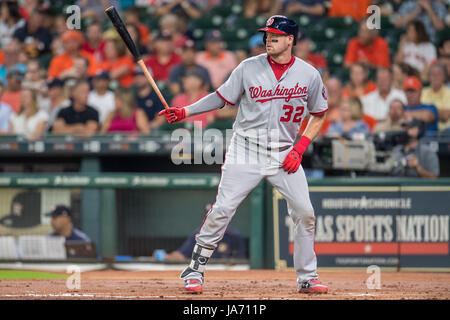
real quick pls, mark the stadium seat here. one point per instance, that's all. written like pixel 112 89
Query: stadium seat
pixel 238 45
pixel 223 10
pixel 339 22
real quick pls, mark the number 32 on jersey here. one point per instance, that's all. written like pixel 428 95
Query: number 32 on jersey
pixel 290 113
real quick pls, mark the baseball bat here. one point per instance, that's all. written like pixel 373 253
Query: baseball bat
pixel 118 24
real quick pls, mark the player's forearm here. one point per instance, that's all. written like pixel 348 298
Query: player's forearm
pixel 312 130
pixel 206 104
pixel 314 125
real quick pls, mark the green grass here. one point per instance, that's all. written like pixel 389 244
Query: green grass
pixel 19 275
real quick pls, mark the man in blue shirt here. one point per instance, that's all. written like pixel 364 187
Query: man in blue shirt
pixel 62 225
pixel 147 99
pixel 428 113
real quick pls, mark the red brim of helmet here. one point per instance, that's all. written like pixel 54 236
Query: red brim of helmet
pixel 272 30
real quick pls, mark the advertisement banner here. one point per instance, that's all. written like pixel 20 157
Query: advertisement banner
pixel 358 226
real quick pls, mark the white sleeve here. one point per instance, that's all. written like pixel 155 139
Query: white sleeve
pixel 317 96
pixel 232 89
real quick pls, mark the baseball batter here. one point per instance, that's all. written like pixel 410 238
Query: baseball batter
pixel 276 91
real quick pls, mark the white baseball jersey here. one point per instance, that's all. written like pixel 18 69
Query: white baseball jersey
pixel 269 104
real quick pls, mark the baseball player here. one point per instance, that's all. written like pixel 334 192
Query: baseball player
pixel 276 92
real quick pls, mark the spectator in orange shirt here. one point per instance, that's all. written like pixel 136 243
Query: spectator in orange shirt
pixel 135 35
pixel 367 47
pixel 131 16
pixel 164 58
pixel 218 61
pixel 118 63
pixel 11 95
pixel 355 9
pixel 359 84
pixel 95 44
pixel 72 42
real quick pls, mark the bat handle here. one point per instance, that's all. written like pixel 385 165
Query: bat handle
pixel 152 82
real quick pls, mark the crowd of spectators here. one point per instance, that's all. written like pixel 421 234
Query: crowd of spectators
pixel 55 80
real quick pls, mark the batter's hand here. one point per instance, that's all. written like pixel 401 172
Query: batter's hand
pixel 292 162
pixel 294 157
pixel 173 114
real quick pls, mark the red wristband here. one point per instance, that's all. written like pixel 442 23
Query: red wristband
pixel 302 145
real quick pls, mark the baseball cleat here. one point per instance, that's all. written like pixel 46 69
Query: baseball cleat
pixel 193 286
pixel 312 286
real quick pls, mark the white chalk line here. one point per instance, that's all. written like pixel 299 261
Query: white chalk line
pixel 182 296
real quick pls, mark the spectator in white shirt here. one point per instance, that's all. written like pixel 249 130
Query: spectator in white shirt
pixel 415 48
pixel 376 103
pixel 30 122
pixel 101 98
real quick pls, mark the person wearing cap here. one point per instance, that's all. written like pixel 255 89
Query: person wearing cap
pixel 64 63
pixel 193 86
pixel 188 63
pixel 119 63
pixel 100 97
pixel 11 95
pixel 36 39
pixel 218 61
pixel 58 100
pixel 303 50
pixel 256 45
pixel 414 158
pixel 164 57
pixel 147 99
pixel 62 224
pixel 5 113
pixel 428 113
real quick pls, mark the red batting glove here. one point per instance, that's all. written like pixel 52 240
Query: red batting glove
pixel 293 159
pixel 292 162
pixel 173 114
